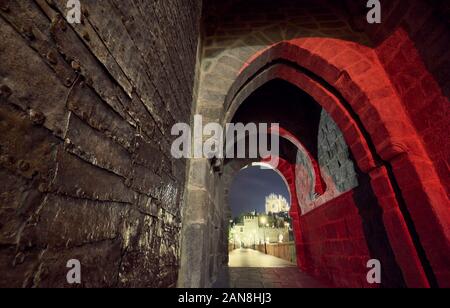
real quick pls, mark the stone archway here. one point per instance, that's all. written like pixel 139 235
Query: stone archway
pixel 350 73
pixel 382 148
pixel 286 171
pixel 331 197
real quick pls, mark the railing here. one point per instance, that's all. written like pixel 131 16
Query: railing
pixel 285 251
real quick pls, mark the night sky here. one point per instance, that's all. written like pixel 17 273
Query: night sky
pixel 251 187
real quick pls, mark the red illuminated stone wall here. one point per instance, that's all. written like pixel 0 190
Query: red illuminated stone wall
pixel 392 107
pixel 416 57
pixel 334 244
pixel 412 45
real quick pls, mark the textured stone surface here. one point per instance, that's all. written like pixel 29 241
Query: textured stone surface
pixel 86 112
pixel 272 278
pixel 334 155
pixel 388 95
pixel 85 116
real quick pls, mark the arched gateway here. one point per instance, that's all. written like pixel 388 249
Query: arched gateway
pixel 375 218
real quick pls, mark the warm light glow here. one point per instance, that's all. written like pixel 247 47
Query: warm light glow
pixel 263 220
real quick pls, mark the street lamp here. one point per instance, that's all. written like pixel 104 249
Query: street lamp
pixel 264 223
pixel 233 238
pixel 263 220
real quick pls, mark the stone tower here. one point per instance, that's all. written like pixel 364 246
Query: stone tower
pixel 276 204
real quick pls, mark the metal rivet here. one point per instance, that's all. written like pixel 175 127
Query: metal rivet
pixel 37 117
pixel 76 66
pixel 28 32
pixel 43 187
pixel 68 82
pixel 5 91
pixel 86 36
pixel 52 58
pixel 24 166
pixel 62 24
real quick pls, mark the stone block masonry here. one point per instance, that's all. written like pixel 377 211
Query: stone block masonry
pixel 334 155
pixel 86 111
pixel 385 86
pixel 85 117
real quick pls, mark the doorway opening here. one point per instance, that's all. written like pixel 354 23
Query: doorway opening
pixel 260 230
pixel 261 242
pixel 335 215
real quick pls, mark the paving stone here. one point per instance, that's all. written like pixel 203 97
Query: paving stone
pixel 272 277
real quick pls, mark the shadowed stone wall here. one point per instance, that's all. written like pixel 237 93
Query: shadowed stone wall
pixel 85 118
pixel 86 112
